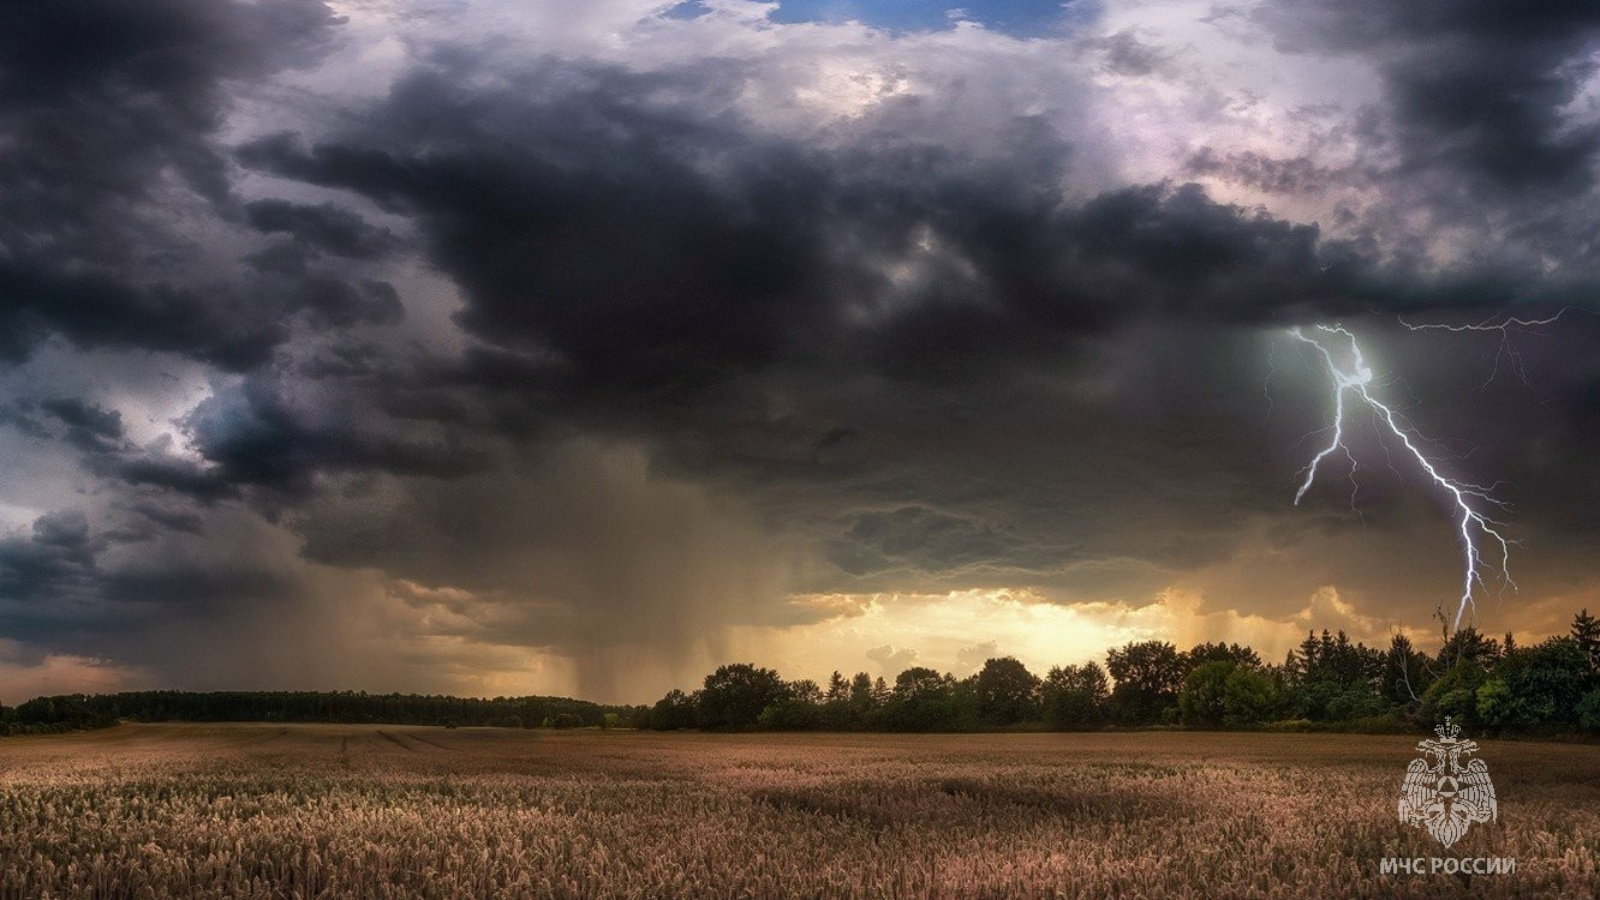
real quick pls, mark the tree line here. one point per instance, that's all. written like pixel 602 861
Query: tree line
pixel 72 712
pixel 1489 686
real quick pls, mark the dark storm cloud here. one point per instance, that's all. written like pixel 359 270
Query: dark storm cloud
pixel 704 274
pixel 100 309
pixel 918 538
pixel 657 251
pixel 643 269
pixel 172 473
pixel 324 227
pixel 110 110
pixel 56 561
pixel 690 344
pixel 89 427
pixel 102 95
pixel 1477 87
pixel 189 590
pixel 171 517
pixel 255 436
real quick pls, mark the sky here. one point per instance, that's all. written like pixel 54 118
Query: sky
pixel 539 347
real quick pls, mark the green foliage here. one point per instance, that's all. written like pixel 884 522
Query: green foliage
pixel 1455 694
pixel 1076 697
pixel 1249 697
pixel 862 698
pixel 806 690
pixel 1228 694
pixel 1328 683
pixel 791 714
pixel 1586 632
pixel 1007 692
pixel 838 688
pixel 1201 700
pixel 1537 689
pixel 1329 678
pixel 1497 707
pixel 1406 674
pixel 1201 654
pixel 923 699
pixel 735 695
pixel 1468 645
pixel 1148 677
pixel 1589 711
pixel 78 711
pixel 674 711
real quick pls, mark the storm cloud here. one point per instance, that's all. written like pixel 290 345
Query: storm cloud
pixel 511 357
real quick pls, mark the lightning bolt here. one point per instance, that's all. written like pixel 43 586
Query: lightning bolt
pixel 1506 327
pixel 1352 381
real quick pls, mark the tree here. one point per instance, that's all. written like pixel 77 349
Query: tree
pixel 853 707
pixel 792 714
pixel 806 691
pixel 838 687
pixel 1249 697
pixel 1007 692
pixel 1200 702
pixel 675 710
pixel 735 695
pixel 1589 711
pixel 1405 673
pixel 1586 631
pixel 922 700
pixel 1455 694
pixel 920 682
pixel 1219 652
pixel 1331 678
pixel 1537 689
pixel 861 698
pixel 1075 697
pixel 1467 644
pixel 1148 676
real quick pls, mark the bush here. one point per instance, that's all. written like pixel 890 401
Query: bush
pixel 790 715
pixel 1248 697
pixel 1074 710
pixel 1007 692
pixel 1201 700
pixel 735 695
pixel 674 711
pixel 1537 689
pixel 1589 710
pixel 1455 694
pixel 1226 694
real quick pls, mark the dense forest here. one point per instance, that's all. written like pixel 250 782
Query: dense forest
pixel 73 712
pixel 1489 686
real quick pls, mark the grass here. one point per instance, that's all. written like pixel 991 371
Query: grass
pixel 303 811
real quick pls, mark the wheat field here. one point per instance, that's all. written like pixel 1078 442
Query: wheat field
pixel 303 811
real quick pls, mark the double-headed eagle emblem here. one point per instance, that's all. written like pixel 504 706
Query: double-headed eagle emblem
pixel 1445 793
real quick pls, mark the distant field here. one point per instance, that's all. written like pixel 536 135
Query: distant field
pixel 266 811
